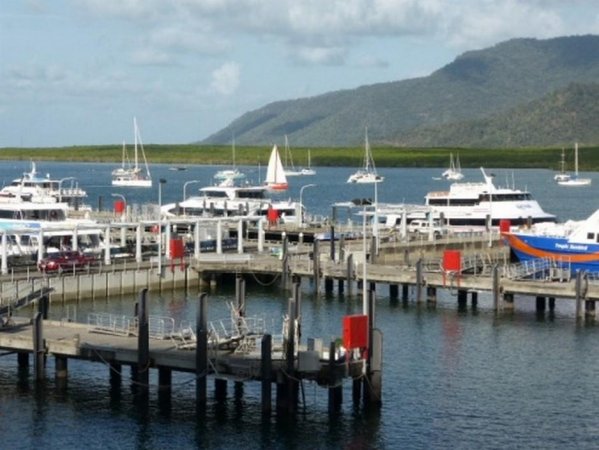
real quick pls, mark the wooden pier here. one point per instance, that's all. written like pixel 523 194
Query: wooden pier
pixel 245 354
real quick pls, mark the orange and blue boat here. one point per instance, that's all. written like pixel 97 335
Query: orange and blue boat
pixel 573 244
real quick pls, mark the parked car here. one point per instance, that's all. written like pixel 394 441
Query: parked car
pixel 61 261
pixel 424 226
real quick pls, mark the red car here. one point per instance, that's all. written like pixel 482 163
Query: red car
pixel 65 261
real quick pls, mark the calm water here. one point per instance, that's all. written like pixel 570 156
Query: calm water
pixel 452 379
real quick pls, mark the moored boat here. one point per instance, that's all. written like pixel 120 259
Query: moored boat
pixel 573 244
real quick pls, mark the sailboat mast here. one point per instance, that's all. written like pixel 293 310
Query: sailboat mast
pixel 135 140
pixel 576 158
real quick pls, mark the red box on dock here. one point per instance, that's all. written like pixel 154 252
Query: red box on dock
pixel 177 250
pixel 452 260
pixel 355 331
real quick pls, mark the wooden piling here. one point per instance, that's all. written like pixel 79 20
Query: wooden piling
pixel 393 292
pixel 349 272
pixel 419 280
pixel 316 263
pixel 540 304
pixel 143 343
pixel 474 299
pixel 495 286
pixel 220 389
pixel 39 351
pixel 23 359
pixel 332 254
pixel 266 373
pixel 201 352
pixel 335 391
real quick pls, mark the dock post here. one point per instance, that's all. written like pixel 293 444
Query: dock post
pixel 332 243
pixel 23 359
pixel 61 372
pixel 541 304
pixel 495 286
pixel 405 292
pixel 431 294
pixel 260 236
pixel 164 389
pixel 4 252
pixel 316 261
pixel 220 389
pixel 240 295
pixel 474 299
pixel 462 299
pixel 419 280
pixel 290 346
pixel 39 351
pixel 285 262
pixel 201 352
pixel 219 237
pixel 43 306
pixel 138 239
pixel 373 379
pixel 328 285
pixel 335 387
pixel 115 374
pixel 341 248
pixel 143 343
pixel 297 297
pixel 350 272
pixel 581 290
pixel 240 236
pixel 393 292
pixel 340 286
pixel 266 373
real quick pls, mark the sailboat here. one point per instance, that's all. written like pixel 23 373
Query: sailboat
pixel 133 175
pixel 562 175
pixel 308 170
pixel 575 180
pixel 368 173
pixel 275 174
pixel 289 168
pixel 454 172
pixel 230 174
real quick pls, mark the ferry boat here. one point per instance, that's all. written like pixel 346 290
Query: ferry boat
pixel 573 244
pixel 31 186
pixel 227 200
pixel 23 221
pixel 470 205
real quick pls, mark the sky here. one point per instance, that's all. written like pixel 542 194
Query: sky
pixel 76 72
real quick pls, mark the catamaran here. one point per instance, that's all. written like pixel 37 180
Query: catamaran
pixel 133 175
pixel 230 174
pixel 568 180
pixel 454 173
pixel 368 173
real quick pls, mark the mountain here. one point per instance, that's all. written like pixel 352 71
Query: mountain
pixel 557 119
pixel 476 85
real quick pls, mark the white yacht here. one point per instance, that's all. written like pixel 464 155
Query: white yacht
pixel 469 205
pixel 31 186
pixel 132 174
pixel 368 173
pixel 226 200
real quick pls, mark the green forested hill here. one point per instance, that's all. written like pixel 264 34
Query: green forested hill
pixel 558 119
pixel 476 85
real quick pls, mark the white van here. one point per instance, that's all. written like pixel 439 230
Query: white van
pixel 423 227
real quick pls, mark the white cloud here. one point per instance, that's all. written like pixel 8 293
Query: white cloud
pixel 225 79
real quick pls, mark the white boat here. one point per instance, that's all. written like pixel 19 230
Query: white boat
pixel 368 173
pixel 275 180
pixel 308 171
pixel 32 187
pixel 454 173
pixel 574 180
pixel 132 175
pixel 288 165
pixel 228 200
pixel 230 174
pixel 470 206
pixel 562 175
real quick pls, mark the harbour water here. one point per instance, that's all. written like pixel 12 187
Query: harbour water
pixel 452 378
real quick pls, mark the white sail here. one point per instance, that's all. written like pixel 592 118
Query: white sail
pixel 275 174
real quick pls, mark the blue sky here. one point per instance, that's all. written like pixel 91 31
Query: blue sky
pixel 76 71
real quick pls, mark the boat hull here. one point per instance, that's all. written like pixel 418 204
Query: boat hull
pixel 577 256
pixel 132 183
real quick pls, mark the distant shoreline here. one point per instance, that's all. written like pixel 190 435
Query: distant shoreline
pixel 541 158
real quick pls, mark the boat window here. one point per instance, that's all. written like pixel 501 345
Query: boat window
pixel 250 194
pixel 218 194
pixel 590 236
